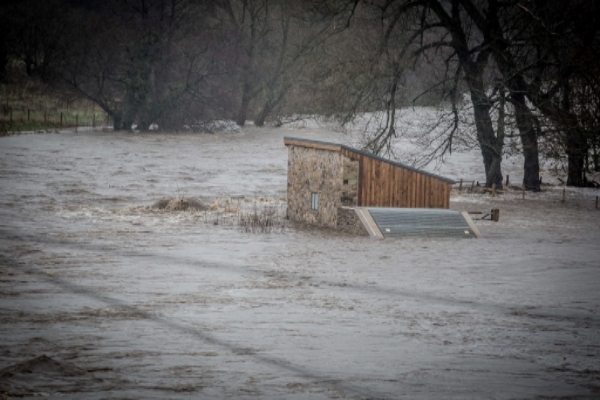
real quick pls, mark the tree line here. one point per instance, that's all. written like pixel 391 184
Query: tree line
pixel 527 68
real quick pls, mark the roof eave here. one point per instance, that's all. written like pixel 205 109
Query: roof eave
pixel 337 147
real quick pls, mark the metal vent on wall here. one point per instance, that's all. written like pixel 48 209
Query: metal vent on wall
pixel 422 222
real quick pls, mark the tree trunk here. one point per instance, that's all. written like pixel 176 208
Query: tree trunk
pixel 117 121
pixel 144 125
pixel 266 111
pixel 269 106
pixel 473 68
pixel 528 134
pixel 244 105
pixel 577 152
pixel 491 150
pixel 122 122
pixel 576 143
pixel 499 140
pixel 576 170
pixel 262 115
pixel 504 60
pixel 531 165
pixel 128 121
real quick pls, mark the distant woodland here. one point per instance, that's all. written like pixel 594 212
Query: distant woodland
pixel 520 68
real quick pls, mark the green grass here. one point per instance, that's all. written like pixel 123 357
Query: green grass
pixel 31 108
pixel 22 120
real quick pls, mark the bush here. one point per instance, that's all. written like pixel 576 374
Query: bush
pixel 265 221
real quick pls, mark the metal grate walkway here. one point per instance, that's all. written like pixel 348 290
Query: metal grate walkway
pixel 422 222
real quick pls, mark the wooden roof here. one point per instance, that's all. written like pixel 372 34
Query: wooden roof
pixel 338 147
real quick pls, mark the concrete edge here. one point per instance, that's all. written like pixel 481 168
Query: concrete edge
pixel 471 224
pixel 368 222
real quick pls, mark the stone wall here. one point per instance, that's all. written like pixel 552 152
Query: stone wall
pixel 319 171
pixel 348 221
pixel 334 177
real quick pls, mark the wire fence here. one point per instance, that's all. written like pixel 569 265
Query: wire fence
pixel 24 118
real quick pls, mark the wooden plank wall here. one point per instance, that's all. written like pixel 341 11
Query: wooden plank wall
pixel 382 184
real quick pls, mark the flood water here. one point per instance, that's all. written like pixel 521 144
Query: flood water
pixel 103 296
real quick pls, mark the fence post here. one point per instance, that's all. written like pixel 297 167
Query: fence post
pixel 493 190
pixel 460 185
pixel 472 186
pixel 495 214
pixel 507 180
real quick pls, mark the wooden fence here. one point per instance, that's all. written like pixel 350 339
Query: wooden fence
pixel 470 185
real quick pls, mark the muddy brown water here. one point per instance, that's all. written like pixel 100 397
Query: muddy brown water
pixel 102 296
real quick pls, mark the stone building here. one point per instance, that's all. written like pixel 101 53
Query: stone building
pixel 327 181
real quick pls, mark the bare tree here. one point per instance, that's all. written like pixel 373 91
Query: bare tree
pixel 32 35
pixel 438 30
pixel 139 60
pixel 274 40
pixel 539 47
pixel 536 49
pixel 361 68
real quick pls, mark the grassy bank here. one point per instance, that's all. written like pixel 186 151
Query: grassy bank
pixel 32 107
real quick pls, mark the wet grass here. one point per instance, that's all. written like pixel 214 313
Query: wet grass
pixel 33 107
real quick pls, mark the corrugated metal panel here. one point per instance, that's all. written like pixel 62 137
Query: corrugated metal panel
pixel 423 222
